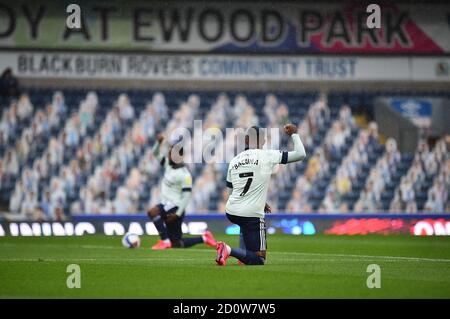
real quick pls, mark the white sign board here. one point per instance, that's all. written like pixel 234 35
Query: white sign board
pixel 224 67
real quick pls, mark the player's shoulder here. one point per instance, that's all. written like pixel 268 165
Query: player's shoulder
pixel 254 152
pixel 239 157
pixel 268 153
pixel 186 175
pixel 262 152
pixel 235 159
pixel 185 171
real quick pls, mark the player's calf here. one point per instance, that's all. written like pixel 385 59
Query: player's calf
pixel 177 243
pixel 257 258
pixel 155 215
pixel 187 242
pixel 247 257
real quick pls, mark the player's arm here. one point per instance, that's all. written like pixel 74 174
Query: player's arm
pixel 157 149
pixel 186 196
pixel 186 193
pixel 228 182
pixel 299 153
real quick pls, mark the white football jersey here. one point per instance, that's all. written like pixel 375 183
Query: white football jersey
pixel 249 176
pixel 174 182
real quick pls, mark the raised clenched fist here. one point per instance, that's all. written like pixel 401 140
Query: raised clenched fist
pixel 160 138
pixel 290 129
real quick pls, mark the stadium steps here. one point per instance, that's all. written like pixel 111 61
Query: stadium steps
pixel 70 152
pixel 297 102
pixel 373 155
pixel 285 190
pixel 334 164
pixel 401 170
pixel 39 145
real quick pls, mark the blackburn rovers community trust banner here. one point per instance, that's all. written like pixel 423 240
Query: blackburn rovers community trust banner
pixel 307 27
pixel 74 65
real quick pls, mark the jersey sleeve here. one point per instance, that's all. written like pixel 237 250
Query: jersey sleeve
pixel 186 183
pixel 229 183
pixel 276 157
pixel 162 160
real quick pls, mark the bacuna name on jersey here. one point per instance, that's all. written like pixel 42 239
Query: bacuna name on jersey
pixel 246 161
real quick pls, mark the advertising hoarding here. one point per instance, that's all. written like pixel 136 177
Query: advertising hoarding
pixel 75 65
pixel 385 224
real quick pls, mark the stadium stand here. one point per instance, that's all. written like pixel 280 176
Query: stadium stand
pixel 83 152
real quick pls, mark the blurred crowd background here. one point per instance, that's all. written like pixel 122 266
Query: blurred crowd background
pixel 89 152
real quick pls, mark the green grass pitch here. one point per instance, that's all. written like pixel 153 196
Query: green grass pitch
pixel 297 267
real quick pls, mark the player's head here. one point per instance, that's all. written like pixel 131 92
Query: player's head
pixel 254 138
pixel 176 152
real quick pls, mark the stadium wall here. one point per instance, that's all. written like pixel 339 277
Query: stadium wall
pixel 393 124
pixel 260 27
pixel 415 36
pixel 214 85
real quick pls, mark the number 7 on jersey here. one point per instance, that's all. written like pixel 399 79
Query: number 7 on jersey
pixel 249 182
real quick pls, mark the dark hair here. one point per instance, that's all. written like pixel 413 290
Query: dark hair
pixel 6 71
pixel 248 132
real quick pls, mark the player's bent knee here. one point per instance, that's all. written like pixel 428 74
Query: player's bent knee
pixel 261 253
pixel 261 257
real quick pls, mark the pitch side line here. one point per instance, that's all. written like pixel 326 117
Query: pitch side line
pixel 353 256
pixel 368 256
pixel 388 258
pixel 119 260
